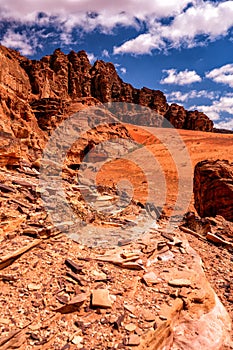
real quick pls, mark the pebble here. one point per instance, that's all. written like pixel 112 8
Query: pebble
pixel 130 327
pixel 34 286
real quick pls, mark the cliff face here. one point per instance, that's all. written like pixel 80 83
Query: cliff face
pixel 37 95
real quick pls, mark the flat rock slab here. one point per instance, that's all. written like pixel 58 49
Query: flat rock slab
pixel 101 298
pixel 180 282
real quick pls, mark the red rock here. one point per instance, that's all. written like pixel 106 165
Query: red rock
pixel 213 188
pixel 134 340
pixel 150 278
pixel 101 298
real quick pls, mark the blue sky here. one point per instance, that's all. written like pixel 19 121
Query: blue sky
pixel 184 48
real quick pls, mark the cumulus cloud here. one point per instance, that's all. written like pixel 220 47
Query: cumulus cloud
pixel 222 75
pixel 214 111
pixel 210 20
pixel 225 124
pixel 19 41
pixel 180 78
pixel 187 20
pixel 179 96
pixel 121 9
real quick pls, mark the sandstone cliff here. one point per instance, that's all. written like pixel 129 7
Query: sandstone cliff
pixel 35 96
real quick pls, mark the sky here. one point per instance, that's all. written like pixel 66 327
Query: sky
pixel 184 48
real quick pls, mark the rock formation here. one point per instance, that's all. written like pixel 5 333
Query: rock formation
pixel 37 95
pixel 190 120
pixel 213 188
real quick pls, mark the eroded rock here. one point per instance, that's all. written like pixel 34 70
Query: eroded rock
pixel 213 188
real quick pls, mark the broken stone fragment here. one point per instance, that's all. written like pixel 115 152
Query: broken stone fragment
pixel 73 266
pixel 99 275
pixel 162 245
pixel 133 340
pixel 148 315
pixel 124 242
pixel 180 282
pixel 73 304
pixel 182 250
pixel 150 278
pixel 77 340
pixel 176 242
pixel 213 238
pixel 130 308
pixel 34 286
pixel 101 298
pixel 132 266
pixel 130 256
pixel 166 256
pixel 30 231
pixel 5 188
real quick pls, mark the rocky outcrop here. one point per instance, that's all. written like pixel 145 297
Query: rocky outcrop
pixel 213 188
pixel 19 130
pixel 190 120
pixel 176 115
pixel 35 96
pixel 198 121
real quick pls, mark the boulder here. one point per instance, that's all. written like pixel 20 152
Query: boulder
pixel 213 188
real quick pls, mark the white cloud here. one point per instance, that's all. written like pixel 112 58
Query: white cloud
pixel 212 19
pixel 225 124
pixel 143 44
pixel 92 57
pixel 29 9
pixel 105 53
pixel 180 96
pixel 123 70
pixel 203 18
pixel 222 75
pixel 214 111
pixel 180 78
pixel 18 41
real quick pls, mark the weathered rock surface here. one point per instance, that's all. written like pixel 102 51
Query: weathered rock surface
pixel 97 294
pixel 213 188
